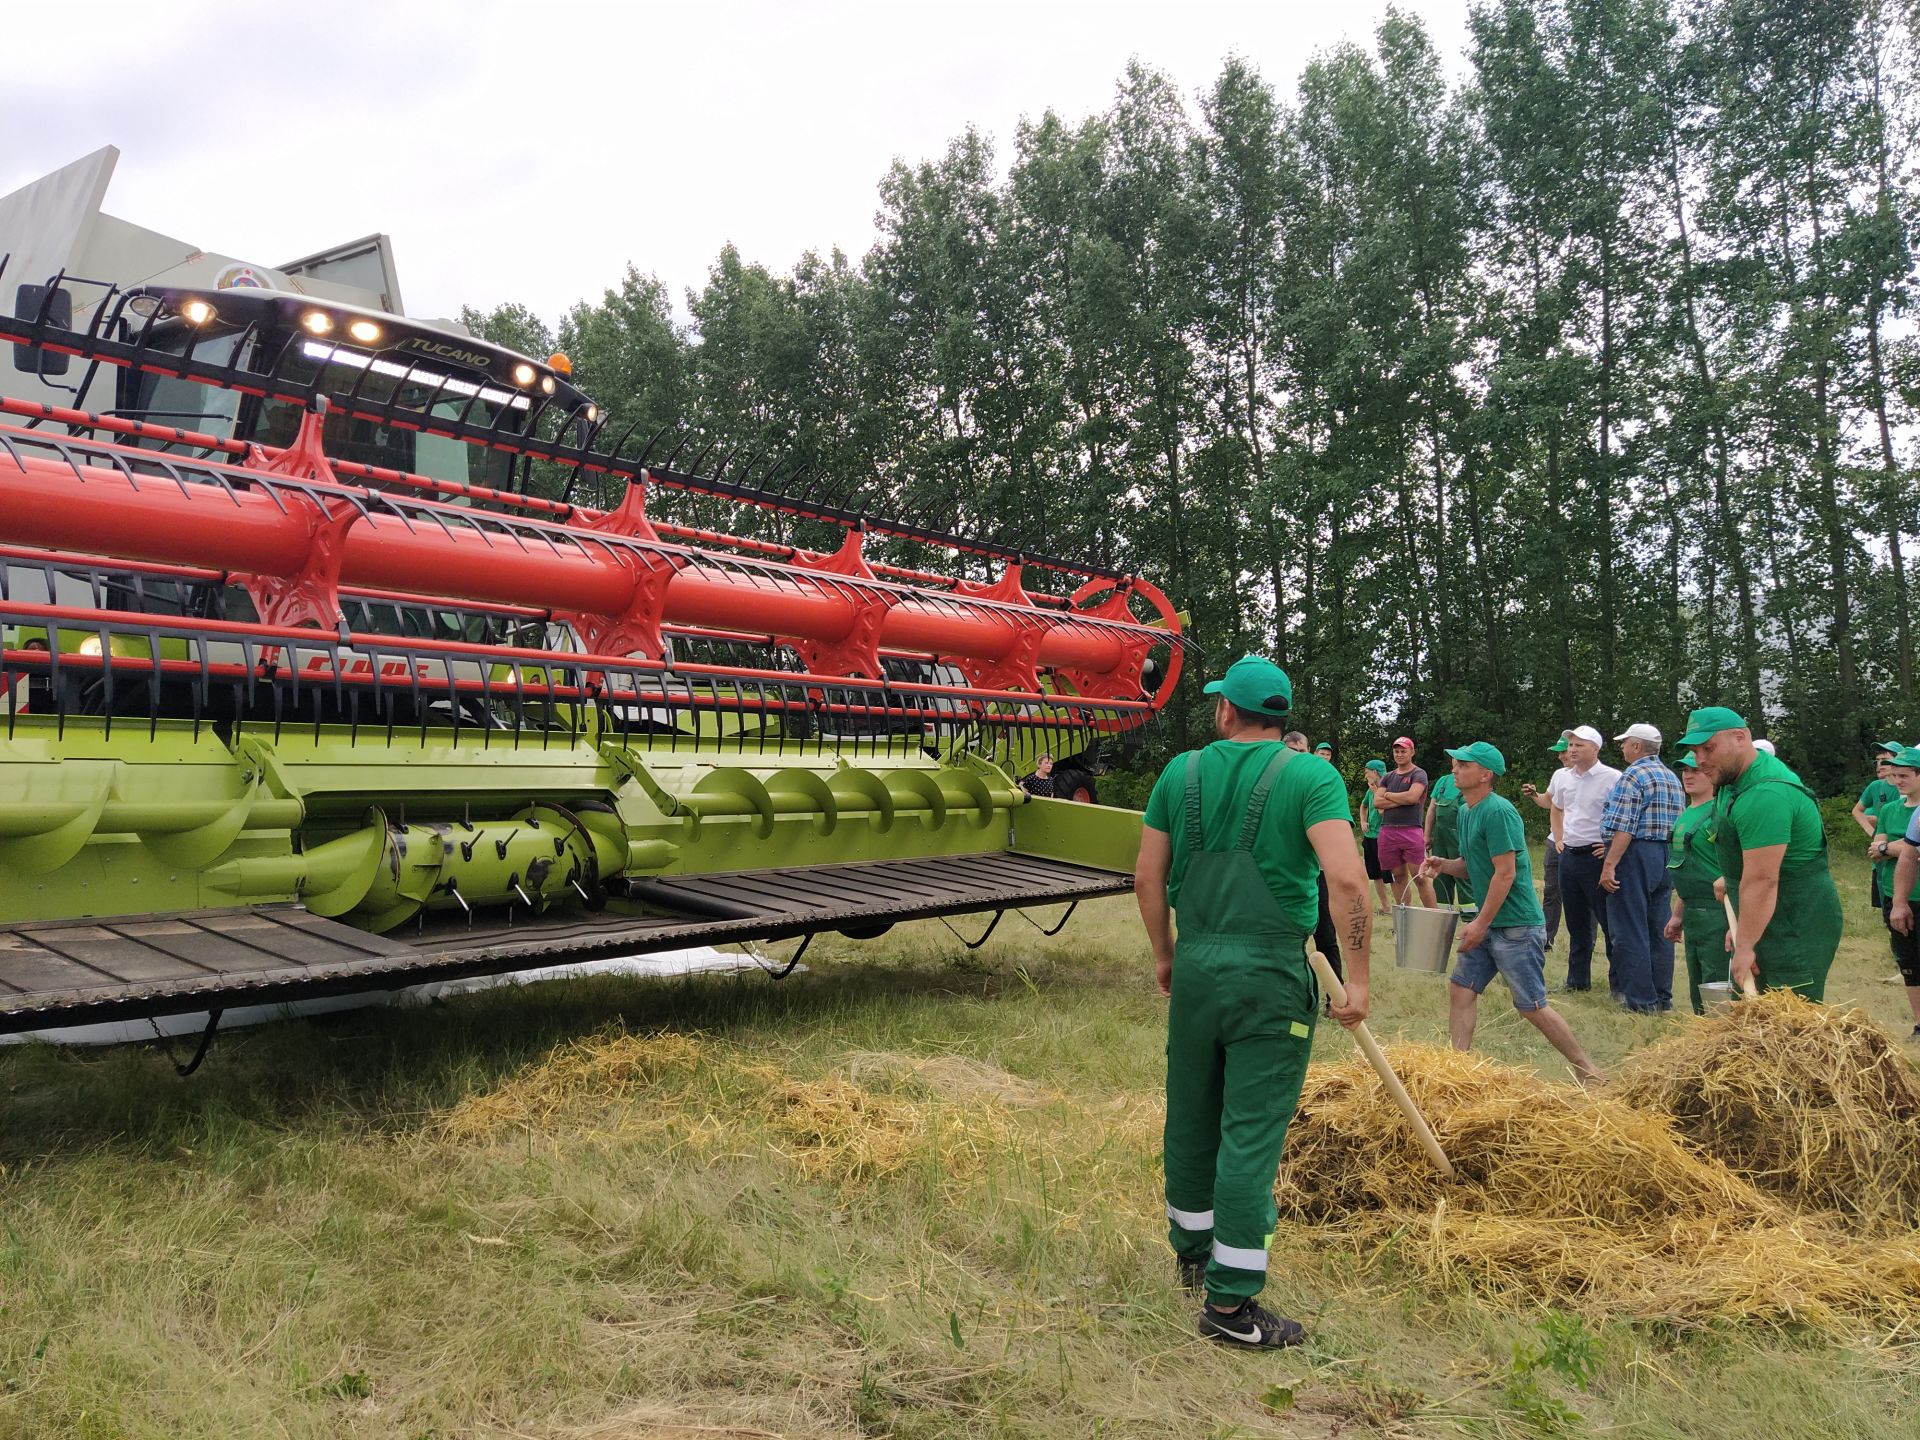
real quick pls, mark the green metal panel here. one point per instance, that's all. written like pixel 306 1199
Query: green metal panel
pixel 1097 835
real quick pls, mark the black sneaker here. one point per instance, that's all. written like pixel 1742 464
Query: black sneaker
pixel 1192 1273
pixel 1250 1327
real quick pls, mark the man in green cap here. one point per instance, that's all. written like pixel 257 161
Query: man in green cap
pixel 1508 937
pixel 1773 855
pixel 1694 862
pixel 1234 836
pixel 1369 827
pixel 1892 842
pixel 1866 810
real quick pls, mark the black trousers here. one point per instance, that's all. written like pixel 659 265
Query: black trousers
pixel 1906 948
pixel 1550 893
pixel 1583 905
pixel 1325 938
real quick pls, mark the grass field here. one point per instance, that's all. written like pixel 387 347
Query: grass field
pixel 913 1192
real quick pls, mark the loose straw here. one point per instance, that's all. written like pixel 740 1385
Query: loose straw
pixel 1376 1057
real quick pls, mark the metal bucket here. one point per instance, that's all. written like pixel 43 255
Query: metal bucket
pixel 1423 938
pixel 1717 995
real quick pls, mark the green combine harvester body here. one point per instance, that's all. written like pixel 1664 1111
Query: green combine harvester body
pixel 277 723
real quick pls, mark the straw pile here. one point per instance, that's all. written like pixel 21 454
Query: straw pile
pixel 833 1128
pixel 1809 1103
pixel 946 1111
pixel 610 1063
pixel 1569 1198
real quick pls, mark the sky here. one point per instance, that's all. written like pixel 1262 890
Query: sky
pixel 529 153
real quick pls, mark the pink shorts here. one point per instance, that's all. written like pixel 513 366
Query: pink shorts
pixel 1402 847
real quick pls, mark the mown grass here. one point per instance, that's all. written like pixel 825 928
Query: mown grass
pixel 313 1237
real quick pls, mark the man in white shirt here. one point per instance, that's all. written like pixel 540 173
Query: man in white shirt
pixel 1578 794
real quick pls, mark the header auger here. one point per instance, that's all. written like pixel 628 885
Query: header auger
pixel 283 720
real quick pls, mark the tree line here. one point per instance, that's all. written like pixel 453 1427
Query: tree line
pixel 1578 389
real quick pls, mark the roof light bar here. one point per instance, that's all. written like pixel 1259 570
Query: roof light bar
pixel 445 384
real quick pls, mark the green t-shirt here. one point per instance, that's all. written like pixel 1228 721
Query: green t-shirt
pixel 1446 817
pixel 1493 827
pixel 1894 818
pixel 1370 814
pixel 1877 793
pixel 1307 791
pixel 1769 813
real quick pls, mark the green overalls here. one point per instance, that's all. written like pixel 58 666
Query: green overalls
pixel 1798 947
pixel 1239 1032
pixel 1692 859
pixel 1446 844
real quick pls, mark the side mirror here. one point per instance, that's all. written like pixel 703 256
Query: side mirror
pixel 48 305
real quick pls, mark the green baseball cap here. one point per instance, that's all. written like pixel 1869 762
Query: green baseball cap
pixel 1908 757
pixel 1255 683
pixel 1688 761
pixel 1379 767
pixel 1558 747
pixel 1892 747
pixel 1709 721
pixel 1323 748
pixel 1481 753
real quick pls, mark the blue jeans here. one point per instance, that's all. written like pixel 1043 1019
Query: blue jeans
pixel 1517 953
pixel 1582 903
pixel 1639 955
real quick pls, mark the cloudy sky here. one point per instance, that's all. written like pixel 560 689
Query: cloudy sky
pixel 530 151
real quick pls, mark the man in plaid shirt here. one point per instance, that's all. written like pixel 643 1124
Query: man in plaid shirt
pixel 1637 824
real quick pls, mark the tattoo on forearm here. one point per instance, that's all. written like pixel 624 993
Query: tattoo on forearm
pixel 1357 925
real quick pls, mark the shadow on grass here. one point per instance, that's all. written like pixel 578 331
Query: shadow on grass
pixel 384 1070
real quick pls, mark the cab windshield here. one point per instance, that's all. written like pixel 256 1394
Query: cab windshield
pixel 413 393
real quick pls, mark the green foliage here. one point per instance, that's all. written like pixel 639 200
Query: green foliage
pixel 1581 390
pixel 1567 1349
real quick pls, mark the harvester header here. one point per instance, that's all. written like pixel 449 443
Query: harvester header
pixel 319 674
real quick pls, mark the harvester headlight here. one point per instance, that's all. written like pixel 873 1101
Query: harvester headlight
pixel 592 413
pixel 196 312
pixel 546 384
pixel 317 322
pixel 523 374
pixel 145 306
pixel 90 645
pixel 365 331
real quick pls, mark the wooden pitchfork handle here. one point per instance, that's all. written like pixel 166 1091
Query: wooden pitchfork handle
pixel 1747 987
pixel 1377 1058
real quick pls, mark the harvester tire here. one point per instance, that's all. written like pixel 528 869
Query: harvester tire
pixel 1070 784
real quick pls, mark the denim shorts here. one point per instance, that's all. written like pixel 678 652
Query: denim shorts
pixel 1517 952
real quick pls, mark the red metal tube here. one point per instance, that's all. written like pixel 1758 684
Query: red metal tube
pixel 281 532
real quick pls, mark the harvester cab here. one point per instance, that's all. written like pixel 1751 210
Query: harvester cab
pixel 406 374
pixel 342 651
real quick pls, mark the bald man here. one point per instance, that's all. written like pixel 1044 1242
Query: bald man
pixel 1773 855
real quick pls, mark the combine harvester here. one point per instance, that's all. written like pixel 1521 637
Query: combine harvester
pixel 318 676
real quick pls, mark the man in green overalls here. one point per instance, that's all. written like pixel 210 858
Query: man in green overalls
pixel 1893 824
pixel 1698 916
pixel 1773 855
pixel 1443 843
pixel 1234 836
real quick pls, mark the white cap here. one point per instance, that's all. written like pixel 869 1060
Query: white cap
pixel 1640 732
pixel 1584 732
pixel 1766 745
